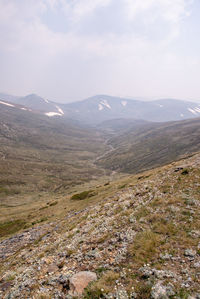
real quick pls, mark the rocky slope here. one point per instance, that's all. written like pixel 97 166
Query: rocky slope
pixel 142 240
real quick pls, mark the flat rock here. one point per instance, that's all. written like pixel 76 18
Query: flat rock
pixel 190 252
pixel 79 281
pixel 159 291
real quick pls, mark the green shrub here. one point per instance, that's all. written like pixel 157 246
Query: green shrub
pixel 53 203
pixel 83 195
pixel 11 227
pixel 185 171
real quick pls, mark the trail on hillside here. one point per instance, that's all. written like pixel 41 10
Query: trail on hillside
pixel 111 149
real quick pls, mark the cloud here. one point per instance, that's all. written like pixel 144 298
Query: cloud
pixel 99 45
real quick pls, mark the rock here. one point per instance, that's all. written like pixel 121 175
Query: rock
pixel 178 169
pixel 146 272
pixel 159 291
pixel 195 233
pixel 190 252
pixel 174 209
pixel 197 265
pixel 94 253
pixel 79 281
pixel 160 274
pixel 132 218
pixel 52 268
pixel 165 256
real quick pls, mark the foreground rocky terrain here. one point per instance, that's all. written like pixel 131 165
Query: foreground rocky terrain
pixel 140 241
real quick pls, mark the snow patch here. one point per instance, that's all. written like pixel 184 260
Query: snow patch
pixel 160 105
pixel 105 103
pixel 197 109
pixel 6 104
pixel 60 110
pixel 24 109
pixel 53 114
pixel 192 111
pixel 124 103
pixel 100 107
pixel 181 114
pixel 46 101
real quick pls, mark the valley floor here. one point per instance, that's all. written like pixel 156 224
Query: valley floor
pixel 139 234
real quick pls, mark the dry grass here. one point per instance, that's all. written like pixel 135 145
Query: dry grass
pixel 104 285
pixel 145 247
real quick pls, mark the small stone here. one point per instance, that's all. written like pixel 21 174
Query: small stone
pixel 197 265
pixel 146 272
pixel 165 256
pixel 132 218
pixel 52 268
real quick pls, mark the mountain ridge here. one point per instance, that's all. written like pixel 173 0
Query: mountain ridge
pixel 100 108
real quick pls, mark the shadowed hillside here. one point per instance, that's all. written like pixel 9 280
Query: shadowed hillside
pixel 147 146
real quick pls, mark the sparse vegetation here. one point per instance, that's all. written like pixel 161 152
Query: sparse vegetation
pixel 83 195
pixel 11 227
pixel 145 247
pixel 103 286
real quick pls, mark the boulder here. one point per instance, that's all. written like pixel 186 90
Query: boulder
pixel 79 281
pixel 159 291
pixel 190 252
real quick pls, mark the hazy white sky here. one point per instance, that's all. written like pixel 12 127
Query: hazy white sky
pixel 67 50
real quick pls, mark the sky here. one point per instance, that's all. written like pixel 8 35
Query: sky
pixel 68 50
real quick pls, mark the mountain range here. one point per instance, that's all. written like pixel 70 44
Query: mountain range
pixel 101 108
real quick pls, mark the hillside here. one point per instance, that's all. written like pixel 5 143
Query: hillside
pixel 39 153
pixel 138 236
pixel 146 146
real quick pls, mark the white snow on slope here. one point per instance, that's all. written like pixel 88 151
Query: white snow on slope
pixel 181 114
pixel 24 109
pixel 53 114
pixel 197 109
pixel 124 103
pixel 100 107
pixel 105 103
pixel 160 106
pixel 60 110
pixel 7 104
pixel 46 101
pixel 192 111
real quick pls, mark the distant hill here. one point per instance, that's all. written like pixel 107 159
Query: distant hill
pixel 101 108
pixel 41 153
pixel 150 145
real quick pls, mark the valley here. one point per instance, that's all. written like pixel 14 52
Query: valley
pixel 118 197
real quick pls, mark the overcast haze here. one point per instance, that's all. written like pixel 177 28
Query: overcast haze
pixel 67 50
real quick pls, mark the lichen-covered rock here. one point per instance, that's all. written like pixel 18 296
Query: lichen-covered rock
pixel 190 252
pixel 159 291
pixel 79 281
